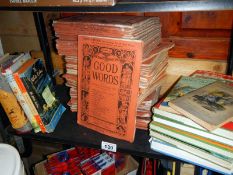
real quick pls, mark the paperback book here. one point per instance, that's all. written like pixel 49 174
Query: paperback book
pixel 8 73
pixel 37 83
pixel 210 106
pixel 182 87
pixel 108 85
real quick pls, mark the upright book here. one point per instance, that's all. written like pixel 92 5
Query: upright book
pixel 210 106
pixel 108 85
pixel 8 73
pixel 37 84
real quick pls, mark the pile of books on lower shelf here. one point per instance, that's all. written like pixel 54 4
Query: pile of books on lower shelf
pixel 194 122
pixel 28 95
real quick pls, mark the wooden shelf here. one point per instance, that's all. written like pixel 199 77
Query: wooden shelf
pixel 69 132
pixel 126 6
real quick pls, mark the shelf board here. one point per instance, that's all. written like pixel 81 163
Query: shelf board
pixel 69 132
pixel 129 6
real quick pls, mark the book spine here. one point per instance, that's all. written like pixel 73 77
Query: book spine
pixel 195 140
pixel 169 150
pixel 220 160
pixel 190 129
pixel 12 3
pixel 33 95
pixel 29 101
pixel 186 121
pixel 21 100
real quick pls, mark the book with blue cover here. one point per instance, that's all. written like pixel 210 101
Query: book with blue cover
pixel 41 90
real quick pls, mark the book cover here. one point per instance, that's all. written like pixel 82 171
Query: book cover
pixel 210 106
pixel 25 94
pixel 182 87
pixel 39 86
pixel 213 75
pixel 220 77
pixel 108 81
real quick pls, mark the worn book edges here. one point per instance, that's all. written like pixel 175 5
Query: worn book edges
pixel 210 106
pixel 228 79
pixel 108 81
pixel 38 85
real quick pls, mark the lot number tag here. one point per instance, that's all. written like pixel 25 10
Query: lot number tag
pixel 108 146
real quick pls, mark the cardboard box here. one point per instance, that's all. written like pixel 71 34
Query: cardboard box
pixel 131 167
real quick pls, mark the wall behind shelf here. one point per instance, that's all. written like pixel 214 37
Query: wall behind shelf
pixel 18 34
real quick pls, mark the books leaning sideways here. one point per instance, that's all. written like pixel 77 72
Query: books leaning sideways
pixel 33 89
pixel 145 29
pixel 193 137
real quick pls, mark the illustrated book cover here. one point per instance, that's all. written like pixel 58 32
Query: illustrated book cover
pixel 183 86
pixel 210 106
pixel 108 85
pixel 38 84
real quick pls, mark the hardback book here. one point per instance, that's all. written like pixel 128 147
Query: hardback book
pixel 173 151
pixel 33 78
pixel 210 106
pixel 193 139
pixel 183 86
pixel 181 122
pixel 213 75
pixel 108 85
pixel 8 73
pixel 58 3
pixel 212 157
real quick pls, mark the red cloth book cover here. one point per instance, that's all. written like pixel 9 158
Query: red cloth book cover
pixel 108 81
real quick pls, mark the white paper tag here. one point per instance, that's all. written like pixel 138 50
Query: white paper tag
pixel 108 146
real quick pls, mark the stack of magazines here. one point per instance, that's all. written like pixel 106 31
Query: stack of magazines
pixel 194 121
pixel 147 29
